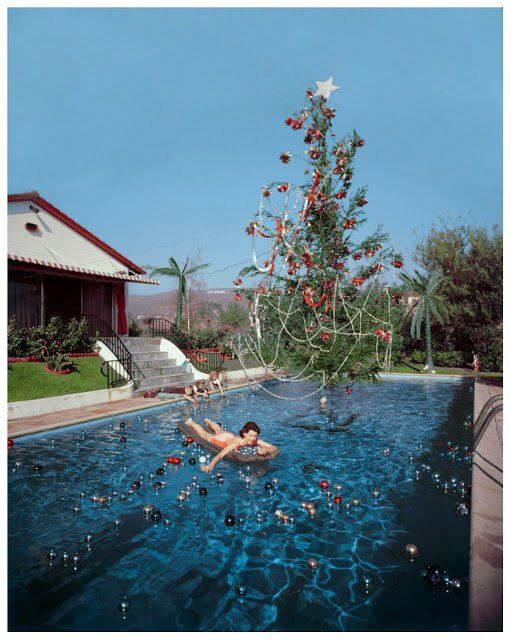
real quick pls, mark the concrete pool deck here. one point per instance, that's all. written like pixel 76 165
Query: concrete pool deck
pixel 486 570
pixel 47 422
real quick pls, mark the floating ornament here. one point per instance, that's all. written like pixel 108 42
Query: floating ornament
pixel 312 563
pixel 148 508
pixel 462 509
pixel 76 558
pixel 37 468
pixel 337 487
pixel 219 478
pixel 411 550
pixel 181 496
pixel 355 502
pixel 337 499
pixel 122 424
pixel 268 486
pixel 229 520
pixel 191 461
pixel 156 515
pixel 367 582
pixel 157 485
pixel 135 485
pixel 52 555
pixel 124 605
pixel 241 590
pixel 122 440
pixel 375 493
pixel 166 522
pixel 76 509
pixel 10 442
pixel 65 557
pixel 202 459
pixel 160 471
pixel 123 497
pixel 203 491
pixel 117 522
pixel 386 451
pixel 324 484
pixel 89 537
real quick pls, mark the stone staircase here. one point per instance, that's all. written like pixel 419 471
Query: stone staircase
pixel 155 369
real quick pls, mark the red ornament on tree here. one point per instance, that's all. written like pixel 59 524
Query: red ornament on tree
pixel 266 193
pixel 349 223
pixel 237 295
pixel 325 337
pixel 283 188
pixel 285 157
pixel 397 263
pixel 340 194
pixel 361 143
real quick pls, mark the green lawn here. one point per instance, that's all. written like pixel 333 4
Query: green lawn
pixel 411 367
pixel 29 380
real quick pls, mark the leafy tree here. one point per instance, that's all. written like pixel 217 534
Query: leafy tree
pixel 234 317
pixel 472 259
pixel 175 271
pixel 429 304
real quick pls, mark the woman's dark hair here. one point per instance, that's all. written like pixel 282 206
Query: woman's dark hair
pixel 249 426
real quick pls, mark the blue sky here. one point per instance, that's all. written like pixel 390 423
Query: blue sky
pixel 156 128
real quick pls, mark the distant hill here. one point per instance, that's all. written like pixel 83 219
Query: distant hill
pixel 164 304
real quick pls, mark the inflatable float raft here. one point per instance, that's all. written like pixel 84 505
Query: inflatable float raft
pixel 234 456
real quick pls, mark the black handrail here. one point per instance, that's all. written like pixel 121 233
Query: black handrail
pixel 488 412
pixel 99 329
pixel 115 372
pixel 205 361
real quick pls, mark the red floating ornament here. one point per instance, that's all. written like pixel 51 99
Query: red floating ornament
pixel 337 500
pixel 324 484
pixel 10 442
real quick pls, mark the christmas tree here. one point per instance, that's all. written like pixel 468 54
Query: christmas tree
pixel 319 310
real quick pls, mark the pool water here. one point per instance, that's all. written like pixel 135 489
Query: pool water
pixel 194 572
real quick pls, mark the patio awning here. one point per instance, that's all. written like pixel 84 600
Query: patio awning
pixel 130 277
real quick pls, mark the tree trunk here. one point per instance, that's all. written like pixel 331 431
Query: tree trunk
pixel 430 367
pixel 179 304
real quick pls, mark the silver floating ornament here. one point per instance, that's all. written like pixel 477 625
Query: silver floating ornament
pixel 376 493
pixel 241 590
pixel 89 537
pixel 124 605
pixel 76 558
pixel 148 508
pixel 117 522
pixel 65 557
pixel 52 555
pixel 76 509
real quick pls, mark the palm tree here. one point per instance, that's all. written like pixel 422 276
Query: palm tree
pixel 175 271
pixel 429 304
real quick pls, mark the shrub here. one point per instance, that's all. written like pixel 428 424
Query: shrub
pixel 206 338
pixel 52 339
pixel 59 362
pixel 226 346
pixel 134 327
pixel 419 357
pixel 488 345
pixel 449 359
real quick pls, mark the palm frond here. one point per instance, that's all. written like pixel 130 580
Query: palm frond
pixel 194 269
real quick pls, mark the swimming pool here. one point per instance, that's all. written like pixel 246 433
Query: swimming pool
pixel 398 449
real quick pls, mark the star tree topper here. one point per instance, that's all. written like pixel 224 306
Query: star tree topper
pixel 325 88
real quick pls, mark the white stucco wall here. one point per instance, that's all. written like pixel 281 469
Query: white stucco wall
pixel 55 241
pixel 176 354
pixel 42 406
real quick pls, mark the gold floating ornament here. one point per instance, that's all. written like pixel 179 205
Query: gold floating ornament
pixel 411 550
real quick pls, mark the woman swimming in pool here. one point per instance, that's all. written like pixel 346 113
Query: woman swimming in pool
pixel 248 437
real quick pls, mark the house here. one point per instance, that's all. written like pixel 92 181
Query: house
pixel 56 267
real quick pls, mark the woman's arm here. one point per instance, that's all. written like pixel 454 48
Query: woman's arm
pixel 232 445
pixel 266 445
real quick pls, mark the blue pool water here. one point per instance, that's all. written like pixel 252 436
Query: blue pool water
pixel 185 576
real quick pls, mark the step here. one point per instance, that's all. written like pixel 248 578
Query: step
pixel 156 371
pixel 143 348
pixel 162 361
pixel 141 340
pixel 157 382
